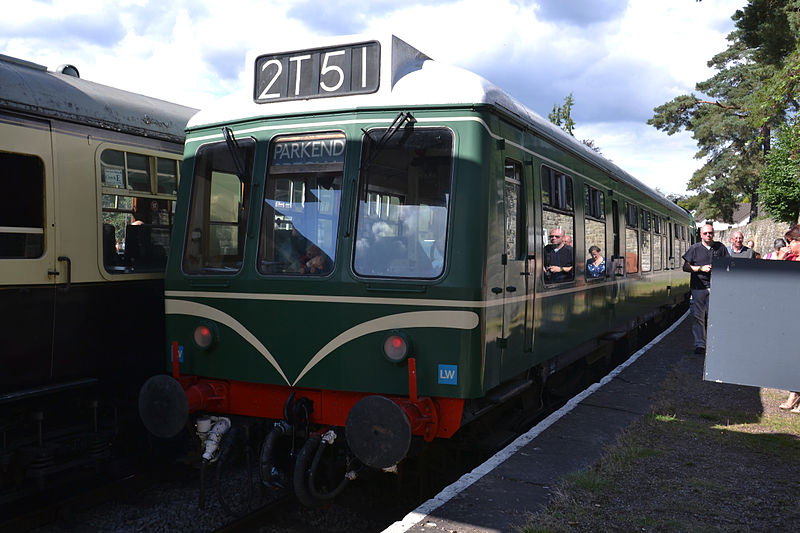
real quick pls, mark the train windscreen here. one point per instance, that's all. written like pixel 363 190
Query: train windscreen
pixel 218 212
pixel 404 195
pixel 302 195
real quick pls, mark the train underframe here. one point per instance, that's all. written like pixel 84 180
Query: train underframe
pixel 315 442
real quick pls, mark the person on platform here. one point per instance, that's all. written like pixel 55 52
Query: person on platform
pixel 791 252
pixel 776 248
pixel 697 260
pixel 738 250
pixel 750 243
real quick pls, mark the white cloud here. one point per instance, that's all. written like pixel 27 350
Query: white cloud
pixel 620 60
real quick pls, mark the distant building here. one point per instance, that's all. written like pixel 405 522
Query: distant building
pixel 741 217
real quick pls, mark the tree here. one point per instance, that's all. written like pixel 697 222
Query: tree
pixel 561 116
pixel 733 119
pixel 780 184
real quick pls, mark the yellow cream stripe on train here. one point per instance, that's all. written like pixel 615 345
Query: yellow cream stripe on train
pixel 416 319
pixel 184 307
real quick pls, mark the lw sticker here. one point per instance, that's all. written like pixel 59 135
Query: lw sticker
pixel 180 354
pixel 448 374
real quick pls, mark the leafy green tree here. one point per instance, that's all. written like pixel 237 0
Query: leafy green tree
pixel 780 184
pixel 561 116
pixel 738 108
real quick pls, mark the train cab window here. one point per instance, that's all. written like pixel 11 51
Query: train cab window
pixel 631 238
pixel 302 196
pixel 647 249
pixel 658 243
pixel 21 206
pixel 403 201
pixel 219 208
pixel 514 226
pixel 594 233
pixel 558 220
pixel 137 209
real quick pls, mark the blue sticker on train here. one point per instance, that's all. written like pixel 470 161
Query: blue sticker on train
pixel 448 374
pixel 180 354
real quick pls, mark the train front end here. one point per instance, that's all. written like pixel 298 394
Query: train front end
pixel 321 288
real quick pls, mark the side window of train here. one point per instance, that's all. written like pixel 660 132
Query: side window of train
pixel 658 243
pixel 631 238
pixel 684 239
pixel 403 201
pixel 219 207
pixel 647 250
pixel 558 218
pixel 21 206
pixel 595 233
pixel 515 234
pixel 137 205
pixel 678 250
pixel 300 218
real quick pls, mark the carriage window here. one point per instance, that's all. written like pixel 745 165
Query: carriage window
pixel 136 210
pixel 514 232
pixel 219 208
pixel 21 206
pixel 658 243
pixel 556 190
pixel 167 176
pixel 631 238
pixel 300 218
pixel 559 226
pixel 403 201
pixel 646 242
pixel 595 233
pixel 678 251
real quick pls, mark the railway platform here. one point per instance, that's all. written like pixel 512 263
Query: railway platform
pixel 500 494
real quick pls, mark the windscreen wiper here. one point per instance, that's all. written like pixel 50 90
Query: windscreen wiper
pixel 233 148
pixel 393 128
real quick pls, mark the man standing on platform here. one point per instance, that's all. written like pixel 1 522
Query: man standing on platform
pixel 738 249
pixel 697 260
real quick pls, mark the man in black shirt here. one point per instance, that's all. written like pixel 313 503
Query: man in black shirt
pixel 697 260
pixel 558 259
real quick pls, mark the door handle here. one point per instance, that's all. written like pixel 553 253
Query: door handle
pixel 68 261
pixel 511 289
pixel 497 290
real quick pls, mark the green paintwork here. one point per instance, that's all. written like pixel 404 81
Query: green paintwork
pixel 295 325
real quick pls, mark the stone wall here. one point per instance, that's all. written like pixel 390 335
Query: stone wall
pixel 763 231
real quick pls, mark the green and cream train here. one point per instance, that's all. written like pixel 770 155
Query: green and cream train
pixel 372 247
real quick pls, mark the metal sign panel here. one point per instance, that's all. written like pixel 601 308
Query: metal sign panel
pixel 332 71
pixel 751 323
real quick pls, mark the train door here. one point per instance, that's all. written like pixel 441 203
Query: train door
pixel 618 259
pixel 28 260
pixel 516 287
pixel 669 245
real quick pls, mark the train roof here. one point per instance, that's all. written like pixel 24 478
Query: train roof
pixel 31 88
pixel 409 78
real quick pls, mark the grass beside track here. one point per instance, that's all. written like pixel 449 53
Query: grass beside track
pixel 709 457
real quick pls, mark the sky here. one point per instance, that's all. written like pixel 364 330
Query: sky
pixel 618 58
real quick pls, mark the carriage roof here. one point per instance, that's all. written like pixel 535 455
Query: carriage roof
pixel 31 88
pixel 408 79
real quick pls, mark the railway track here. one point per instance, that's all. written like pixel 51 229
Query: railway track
pixel 232 498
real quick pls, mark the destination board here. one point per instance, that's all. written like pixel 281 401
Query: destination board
pixel 319 72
